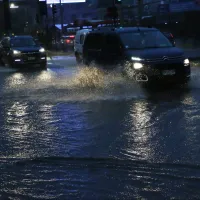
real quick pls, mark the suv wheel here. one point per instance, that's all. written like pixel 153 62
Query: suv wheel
pixel 1 62
pixel 43 66
pixel 86 62
pixel 185 80
pixel 78 59
pixel 92 63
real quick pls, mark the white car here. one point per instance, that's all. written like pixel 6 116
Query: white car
pixel 78 43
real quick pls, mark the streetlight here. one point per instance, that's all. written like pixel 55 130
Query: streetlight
pixel 12 6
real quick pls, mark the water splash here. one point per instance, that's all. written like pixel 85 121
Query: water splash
pixel 89 77
pixel 85 83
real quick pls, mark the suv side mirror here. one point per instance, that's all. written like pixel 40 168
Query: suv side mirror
pixel 170 37
pixel 42 45
pixel 6 47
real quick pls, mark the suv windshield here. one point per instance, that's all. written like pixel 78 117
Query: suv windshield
pixel 22 42
pixel 144 39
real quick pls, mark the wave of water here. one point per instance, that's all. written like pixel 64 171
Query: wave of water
pixel 87 178
pixel 84 84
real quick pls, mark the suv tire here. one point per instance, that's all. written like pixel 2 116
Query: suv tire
pixel 78 59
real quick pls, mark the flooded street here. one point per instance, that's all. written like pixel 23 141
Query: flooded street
pixel 74 133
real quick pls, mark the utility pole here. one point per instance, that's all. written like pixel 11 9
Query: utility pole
pixel 54 11
pixel 61 16
pixel 114 12
pixel 140 11
pixel 114 16
pixel 7 16
pixel 121 16
pixel 118 6
pixel 47 26
pixel 43 14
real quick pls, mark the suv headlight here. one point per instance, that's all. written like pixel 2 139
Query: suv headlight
pixel 186 62
pixel 136 59
pixel 16 52
pixel 137 65
pixel 42 50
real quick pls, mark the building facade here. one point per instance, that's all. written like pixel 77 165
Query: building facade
pixel 73 11
pixel 23 15
pixel 159 8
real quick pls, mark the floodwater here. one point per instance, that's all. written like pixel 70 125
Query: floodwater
pixel 74 133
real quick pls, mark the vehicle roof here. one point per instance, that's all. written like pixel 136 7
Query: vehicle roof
pixel 21 36
pixel 136 29
pixel 67 36
pixel 84 30
pixel 124 29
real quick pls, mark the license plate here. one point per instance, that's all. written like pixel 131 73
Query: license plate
pixel 31 58
pixel 168 72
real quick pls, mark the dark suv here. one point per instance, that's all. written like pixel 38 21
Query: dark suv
pixel 145 52
pixel 22 51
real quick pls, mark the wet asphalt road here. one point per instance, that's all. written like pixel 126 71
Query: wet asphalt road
pixel 74 133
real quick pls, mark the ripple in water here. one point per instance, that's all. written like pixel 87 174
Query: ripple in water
pixel 85 179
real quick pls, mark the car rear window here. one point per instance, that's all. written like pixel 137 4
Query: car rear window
pixel 94 41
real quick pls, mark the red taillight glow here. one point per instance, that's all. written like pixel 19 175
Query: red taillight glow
pixel 171 35
pixel 68 41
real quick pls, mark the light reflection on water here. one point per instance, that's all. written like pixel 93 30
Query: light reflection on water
pixel 138 138
pixel 103 138
pixel 26 129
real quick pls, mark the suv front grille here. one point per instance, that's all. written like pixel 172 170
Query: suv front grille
pixel 35 56
pixel 169 66
pixel 165 58
pixel 30 53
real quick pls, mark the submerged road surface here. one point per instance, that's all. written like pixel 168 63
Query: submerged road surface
pixel 73 133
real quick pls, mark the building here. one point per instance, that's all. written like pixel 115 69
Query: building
pixel 73 11
pixel 164 11
pixel 22 13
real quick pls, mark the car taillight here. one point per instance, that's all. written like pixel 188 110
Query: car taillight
pixel 68 41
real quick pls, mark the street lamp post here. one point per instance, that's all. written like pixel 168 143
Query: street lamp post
pixel 7 17
pixel 114 18
pixel 140 11
pixel 61 15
